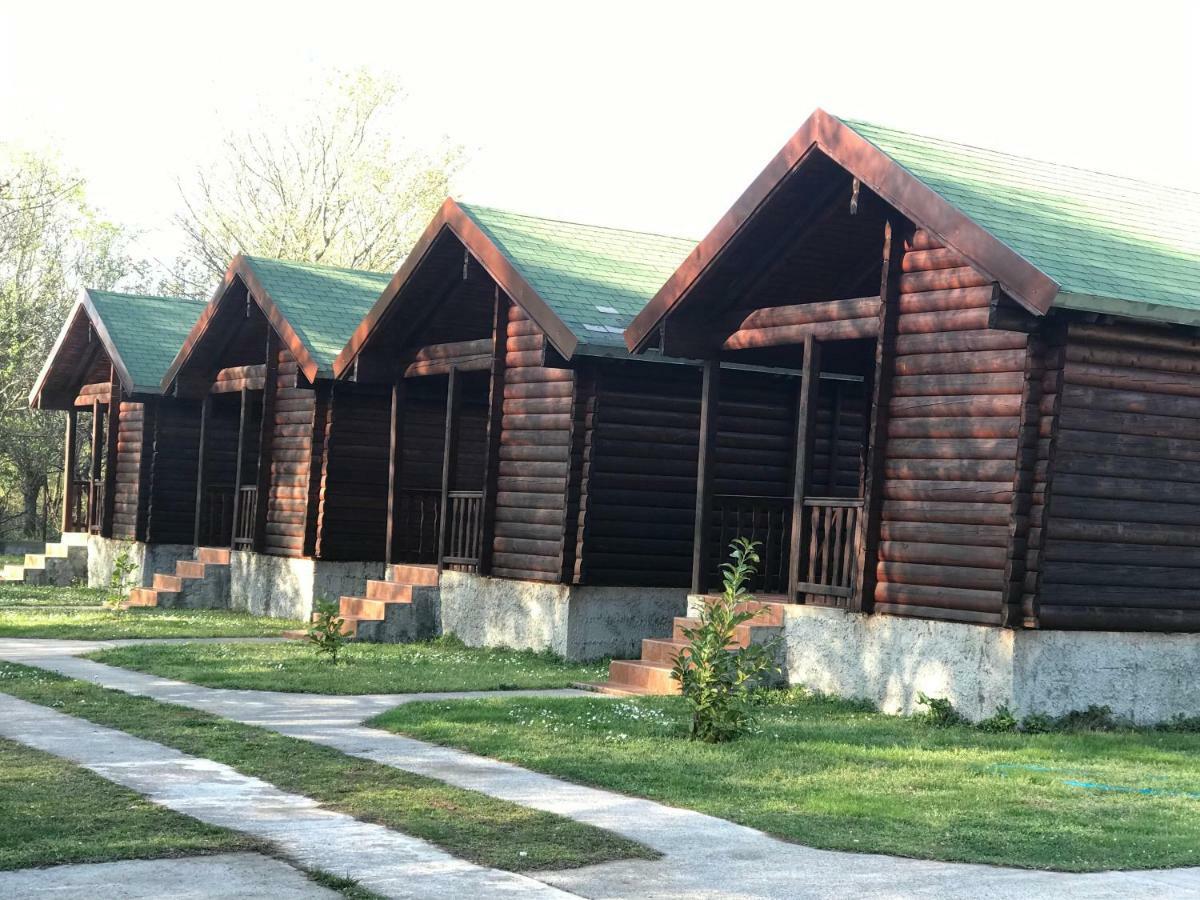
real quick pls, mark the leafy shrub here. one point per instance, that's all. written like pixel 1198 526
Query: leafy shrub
pixel 999 722
pixel 1094 718
pixel 1180 722
pixel 1037 723
pixel 120 580
pixel 939 711
pixel 715 676
pixel 325 633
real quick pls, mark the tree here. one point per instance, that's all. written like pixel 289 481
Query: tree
pixel 331 186
pixel 52 243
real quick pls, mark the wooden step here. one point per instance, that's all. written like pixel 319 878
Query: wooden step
pixel 741 634
pixel 142 597
pixel 214 555
pixel 294 634
pixel 662 650
pixel 362 608
pixel 164 582
pixel 190 568
pixel 651 677
pixel 615 690
pixel 349 623
pixel 406 573
pixel 391 591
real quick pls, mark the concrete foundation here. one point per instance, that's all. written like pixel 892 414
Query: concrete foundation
pixel 575 621
pixel 1144 677
pixel 148 558
pixel 288 587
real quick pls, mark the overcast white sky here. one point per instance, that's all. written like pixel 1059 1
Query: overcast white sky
pixel 651 115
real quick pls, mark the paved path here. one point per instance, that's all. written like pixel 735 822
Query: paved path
pixel 704 857
pixel 387 862
pixel 225 876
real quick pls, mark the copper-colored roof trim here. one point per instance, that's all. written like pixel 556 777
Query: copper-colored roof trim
pixel 493 260
pixel 1019 278
pixel 85 305
pixel 241 269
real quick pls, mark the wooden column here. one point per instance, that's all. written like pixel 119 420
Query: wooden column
pixel 266 433
pixel 69 461
pixel 705 466
pixel 145 491
pixel 243 420
pixel 806 414
pixel 93 514
pixel 448 449
pixel 491 463
pixel 881 396
pixel 205 408
pixel 110 454
pixel 395 469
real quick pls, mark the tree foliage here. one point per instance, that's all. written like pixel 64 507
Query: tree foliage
pixel 52 243
pixel 331 185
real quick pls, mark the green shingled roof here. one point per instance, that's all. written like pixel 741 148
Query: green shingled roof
pixel 146 331
pixel 1112 244
pixel 323 304
pixel 595 279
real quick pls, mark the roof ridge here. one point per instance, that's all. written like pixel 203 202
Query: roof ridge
pixel 132 296
pixel 1029 159
pixel 315 265
pixel 523 215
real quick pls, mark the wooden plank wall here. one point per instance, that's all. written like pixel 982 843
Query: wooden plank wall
pixel 172 509
pixel 1121 538
pixel 130 447
pixel 534 464
pixel 292 457
pixel 953 446
pixel 841 405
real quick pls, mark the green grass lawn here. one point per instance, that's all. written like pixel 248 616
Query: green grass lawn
pixel 23 595
pixel 830 774
pixel 468 824
pixel 102 624
pixel 55 812
pixel 443 665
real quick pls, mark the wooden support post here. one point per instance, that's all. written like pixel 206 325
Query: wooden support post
pixel 806 415
pixel 69 461
pixel 113 426
pixel 863 598
pixel 205 408
pixel 145 491
pixel 705 466
pixel 266 433
pixel 93 514
pixel 448 450
pixel 491 464
pixel 395 470
pixel 243 419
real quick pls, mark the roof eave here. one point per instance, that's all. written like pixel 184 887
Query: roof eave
pixel 497 264
pixel 1023 281
pixel 1144 310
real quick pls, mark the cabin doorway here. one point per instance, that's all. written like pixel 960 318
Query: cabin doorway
pixel 229 460
pixel 436 516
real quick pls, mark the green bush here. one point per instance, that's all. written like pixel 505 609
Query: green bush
pixel 715 676
pixel 939 711
pixel 120 581
pixel 1002 720
pixel 325 633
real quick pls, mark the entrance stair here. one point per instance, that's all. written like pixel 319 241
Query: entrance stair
pixel 61 563
pixel 652 673
pixel 199 583
pixel 397 609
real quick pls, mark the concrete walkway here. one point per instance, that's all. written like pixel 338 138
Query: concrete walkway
pixel 385 861
pixel 704 857
pixel 224 876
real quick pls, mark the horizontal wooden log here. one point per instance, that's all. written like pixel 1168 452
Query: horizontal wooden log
pixel 957 470
pixel 1121 553
pixel 941 280
pixel 949 513
pixel 937 533
pixel 940 322
pixel 958 385
pixel 939 597
pixel 959 341
pixel 503 571
pixel 1094 398
pixel 1139 359
pixel 945 301
pixel 943 554
pixel 784 335
pixel 948 427
pixel 806 313
pixel 952 449
pixel 926 260
pixel 942 576
pixel 958 407
pixel 1108 488
pixel 1132 576
pixel 974 363
pixel 1147 338
pixel 1132 379
pixel 949 491
pixel 1148 533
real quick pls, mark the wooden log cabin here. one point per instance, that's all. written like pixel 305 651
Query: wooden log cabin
pixel 1030 439
pixel 274 478
pixel 548 474
pixel 105 372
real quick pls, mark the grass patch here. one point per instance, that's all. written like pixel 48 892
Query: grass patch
pixel 56 812
pixel 25 595
pixel 831 774
pixel 442 665
pixel 102 624
pixel 466 823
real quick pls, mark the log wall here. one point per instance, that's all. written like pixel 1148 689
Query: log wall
pixel 535 458
pixel 1120 546
pixel 839 440
pixel 294 453
pixel 172 511
pixel 958 419
pixel 132 445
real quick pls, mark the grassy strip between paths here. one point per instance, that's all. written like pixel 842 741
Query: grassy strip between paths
pixel 468 824
pixel 56 812
pixel 102 624
pixel 23 595
pixel 441 665
pixel 835 775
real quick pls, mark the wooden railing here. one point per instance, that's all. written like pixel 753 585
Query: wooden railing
pixel 464 510
pixel 764 519
pixel 247 509
pixel 82 505
pixel 831 537
pixel 416 524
